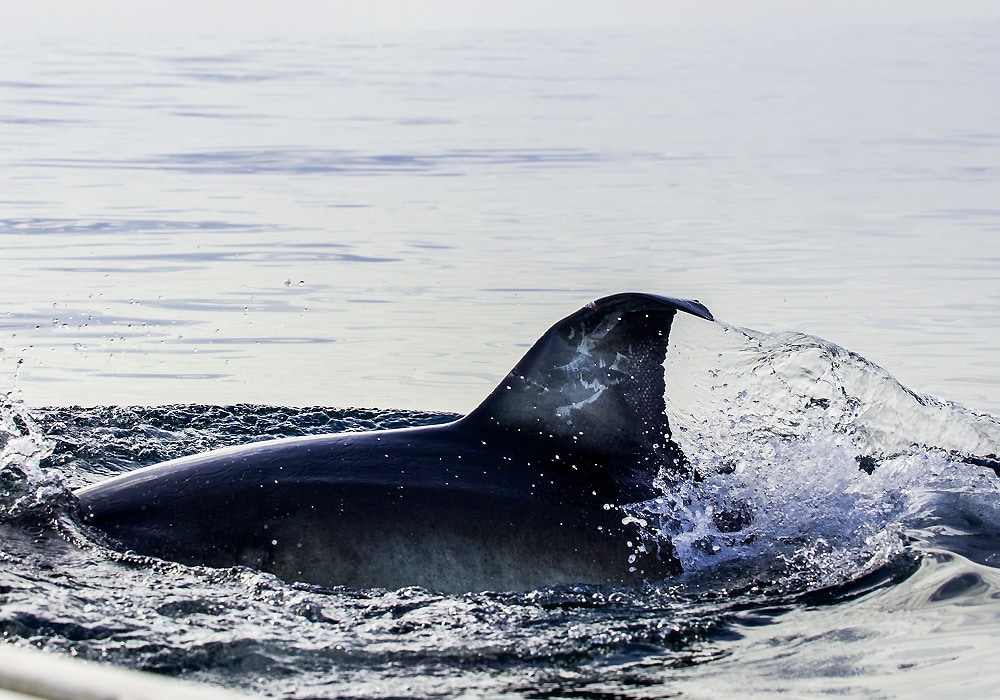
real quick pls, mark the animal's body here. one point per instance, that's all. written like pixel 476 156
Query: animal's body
pixel 523 492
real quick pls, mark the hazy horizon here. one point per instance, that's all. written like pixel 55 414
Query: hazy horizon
pixel 48 17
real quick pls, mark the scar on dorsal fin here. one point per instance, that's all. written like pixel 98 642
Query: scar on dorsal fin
pixel 594 380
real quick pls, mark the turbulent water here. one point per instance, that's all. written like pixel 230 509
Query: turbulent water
pixel 840 536
pixel 214 227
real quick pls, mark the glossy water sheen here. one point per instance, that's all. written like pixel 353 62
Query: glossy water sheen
pixel 388 221
pixel 834 579
pixel 391 221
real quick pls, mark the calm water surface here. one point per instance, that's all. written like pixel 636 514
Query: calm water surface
pixel 390 221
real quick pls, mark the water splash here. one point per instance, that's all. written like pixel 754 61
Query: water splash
pixel 27 491
pixel 248 630
pixel 728 385
pixel 807 459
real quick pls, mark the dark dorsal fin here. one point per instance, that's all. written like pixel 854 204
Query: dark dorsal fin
pixel 594 381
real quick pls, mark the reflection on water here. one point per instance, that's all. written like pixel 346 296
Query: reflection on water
pixel 304 162
pixel 390 220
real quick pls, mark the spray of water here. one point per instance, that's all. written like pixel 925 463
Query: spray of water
pixel 27 491
pixel 805 455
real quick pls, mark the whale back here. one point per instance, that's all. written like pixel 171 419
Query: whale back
pixel 522 492
pixel 594 383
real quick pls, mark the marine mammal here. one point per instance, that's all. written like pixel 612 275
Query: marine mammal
pixel 522 492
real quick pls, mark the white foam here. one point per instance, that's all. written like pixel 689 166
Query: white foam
pixel 775 427
pixel 24 485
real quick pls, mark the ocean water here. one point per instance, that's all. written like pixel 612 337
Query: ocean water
pixel 209 240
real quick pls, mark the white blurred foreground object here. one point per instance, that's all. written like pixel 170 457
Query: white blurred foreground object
pixel 27 673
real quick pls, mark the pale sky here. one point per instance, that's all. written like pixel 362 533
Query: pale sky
pixel 333 16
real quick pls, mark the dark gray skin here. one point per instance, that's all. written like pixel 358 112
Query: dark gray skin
pixel 523 492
